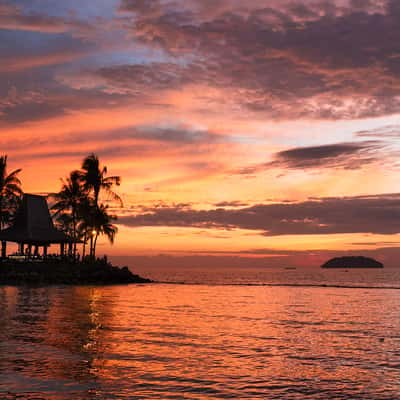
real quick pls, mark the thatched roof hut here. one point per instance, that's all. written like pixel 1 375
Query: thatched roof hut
pixel 33 225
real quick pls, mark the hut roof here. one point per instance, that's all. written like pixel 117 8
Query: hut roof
pixel 33 224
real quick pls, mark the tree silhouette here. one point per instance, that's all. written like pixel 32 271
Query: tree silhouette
pixel 10 192
pixel 97 221
pixel 68 206
pixel 94 179
pixel 78 208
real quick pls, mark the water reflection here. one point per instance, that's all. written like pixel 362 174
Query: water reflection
pixel 51 340
pixel 198 342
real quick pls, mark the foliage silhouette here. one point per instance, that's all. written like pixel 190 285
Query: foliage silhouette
pixel 10 192
pixel 68 206
pixel 94 179
pixel 77 208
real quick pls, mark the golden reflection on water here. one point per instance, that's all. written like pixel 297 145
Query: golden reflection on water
pixel 198 342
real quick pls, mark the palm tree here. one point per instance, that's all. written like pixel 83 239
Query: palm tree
pixel 98 222
pixel 10 192
pixel 78 208
pixel 94 179
pixel 103 226
pixel 69 203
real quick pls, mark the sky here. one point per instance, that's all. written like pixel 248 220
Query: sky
pixel 265 131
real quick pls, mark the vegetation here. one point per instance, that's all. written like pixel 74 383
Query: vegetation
pixel 95 180
pixel 96 272
pixel 10 193
pixel 68 206
pixel 78 210
pixel 352 262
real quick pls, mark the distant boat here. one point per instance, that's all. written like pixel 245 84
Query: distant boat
pixel 352 262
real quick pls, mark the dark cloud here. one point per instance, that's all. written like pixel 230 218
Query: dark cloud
pixel 341 155
pixel 370 214
pixel 350 155
pixel 231 204
pixel 36 101
pixel 28 88
pixel 31 111
pixel 285 59
pixel 178 134
pixel 375 244
pixel 139 79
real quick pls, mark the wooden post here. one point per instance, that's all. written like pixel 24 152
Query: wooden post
pixel 62 249
pixel 21 249
pixel 45 251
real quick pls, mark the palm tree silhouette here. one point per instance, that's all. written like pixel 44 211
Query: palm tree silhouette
pixel 77 204
pixel 94 179
pixel 68 206
pixel 98 222
pixel 10 192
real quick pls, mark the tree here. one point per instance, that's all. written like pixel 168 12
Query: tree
pixel 98 222
pixel 10 192
pixel 78 208
pixel 68 206
pixel 95 180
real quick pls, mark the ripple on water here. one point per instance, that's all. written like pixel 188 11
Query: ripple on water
pixel 179 342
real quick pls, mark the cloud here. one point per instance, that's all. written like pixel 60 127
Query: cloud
pixel 370 214
pixel 136 80
pixel 348 155
pixel 264 57
pixel 274 56
pixel 351 155
pixel 389 131
pixel 146 138
pixel 13 17
pixel 18 63
pixel 177 133
pixel 231 204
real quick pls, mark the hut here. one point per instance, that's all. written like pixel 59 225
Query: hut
pixel 33 228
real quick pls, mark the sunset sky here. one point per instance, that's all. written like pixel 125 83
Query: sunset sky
pixel 257 129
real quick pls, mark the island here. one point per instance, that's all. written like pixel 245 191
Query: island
pixel 352 262
pixel 33 230
pixel 46 272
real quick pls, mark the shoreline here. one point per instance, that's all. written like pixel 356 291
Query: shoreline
pixel 49 273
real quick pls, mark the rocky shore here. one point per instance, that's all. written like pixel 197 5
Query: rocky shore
pixel 99 272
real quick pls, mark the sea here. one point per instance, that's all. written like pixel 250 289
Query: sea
pixel 206 333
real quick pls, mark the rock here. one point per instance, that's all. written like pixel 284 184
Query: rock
pixel 99 272
pixel 352 262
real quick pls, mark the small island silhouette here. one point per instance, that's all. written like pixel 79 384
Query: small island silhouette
pixel 352 262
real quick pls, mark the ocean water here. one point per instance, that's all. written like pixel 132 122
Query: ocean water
pixel 222 339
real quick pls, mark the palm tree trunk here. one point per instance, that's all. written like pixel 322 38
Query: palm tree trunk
pixel 95 244
pixel 1 213
pixel 91 246
pixel 75 233
pixel 84 247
